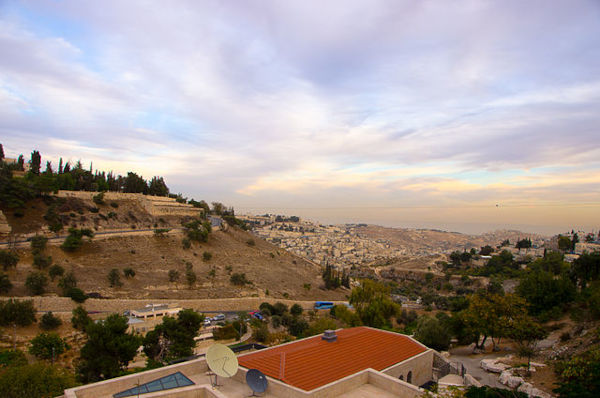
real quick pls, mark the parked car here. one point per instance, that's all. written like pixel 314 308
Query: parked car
pixel 257 315
pixel 220 317
pixel 207 321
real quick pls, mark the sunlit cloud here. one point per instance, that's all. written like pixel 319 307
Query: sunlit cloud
pixel 390 103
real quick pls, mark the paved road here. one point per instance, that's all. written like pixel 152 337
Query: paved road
pixel 120 232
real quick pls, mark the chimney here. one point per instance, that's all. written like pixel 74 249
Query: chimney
pixel 329 336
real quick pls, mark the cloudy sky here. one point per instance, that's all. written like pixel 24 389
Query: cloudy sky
pixel 403 113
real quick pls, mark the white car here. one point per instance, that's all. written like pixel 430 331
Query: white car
pixel 207 322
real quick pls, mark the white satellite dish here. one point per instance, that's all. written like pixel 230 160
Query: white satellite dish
pixel 221 361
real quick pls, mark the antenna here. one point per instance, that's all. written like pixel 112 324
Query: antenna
pixel 221 361
pixel 257 381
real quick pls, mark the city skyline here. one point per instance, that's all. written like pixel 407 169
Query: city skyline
pixel 472 115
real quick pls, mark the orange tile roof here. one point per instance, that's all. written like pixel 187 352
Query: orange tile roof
pixel 313 362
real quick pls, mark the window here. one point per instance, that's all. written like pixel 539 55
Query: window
pixel 409 377
pixel 164 383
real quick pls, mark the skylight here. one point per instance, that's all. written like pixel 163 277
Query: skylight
pixel 174 380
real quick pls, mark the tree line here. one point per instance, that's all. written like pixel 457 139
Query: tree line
pixel 16 191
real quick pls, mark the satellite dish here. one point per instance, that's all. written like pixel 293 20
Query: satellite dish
pixel 221 360
pixel 257 381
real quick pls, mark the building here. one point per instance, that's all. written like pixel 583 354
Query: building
pixel 355 362
pixel 155 310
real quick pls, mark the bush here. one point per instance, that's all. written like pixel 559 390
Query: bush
pixel 76 294
pixel 238 279
pixel 80 318
pixel 47 346
pixel 279 308
pixel 5 284
pixel 98 199
pixel 38 243
pixel 55 270
pixel 173 275
pixel 206 256
pixel 186 243
pixel 36 283
pixel 190 276
pixel 8 259
pixel 72 243
pixel 49 321
pixel 251 242
pixel 297 326
pixel 226 332
pixel 114 204
pixel 275 321
pixel 432 333
pixel 296 309
pixel 129 272
pixel 37 380
pixel 41 262
pixel 12 358
pixel 261 334
pixel 114 278
pixel 67 282
pixel 21 313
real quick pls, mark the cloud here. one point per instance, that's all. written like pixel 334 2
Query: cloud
pixel 358 101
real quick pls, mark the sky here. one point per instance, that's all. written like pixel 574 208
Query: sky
pixel 460 115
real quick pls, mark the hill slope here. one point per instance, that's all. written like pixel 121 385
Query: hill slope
pixel 267 268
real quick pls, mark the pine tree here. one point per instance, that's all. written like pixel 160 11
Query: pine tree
pixel 35 162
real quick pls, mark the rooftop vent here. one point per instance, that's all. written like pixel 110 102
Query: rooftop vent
pixel 329 336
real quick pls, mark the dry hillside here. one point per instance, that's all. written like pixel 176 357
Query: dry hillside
pixel 268 269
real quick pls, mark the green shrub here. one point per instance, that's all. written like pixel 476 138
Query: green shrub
pixel 37 380
pixel 114 204
pixel 173 275
pixel 186 243
pixel 226 332
pixel 55 270
pixel 12 358
pixel 296 309
pixel 41 262
pixel 80 318
pixel 207 256
pixel 129 272
pixel 21 313
pixel 48 346
pixel 5 284
pixel 38 243
pixel 114 278
pixel 8 259
pixel 239 279
pixel 67 282
pixel 49 321
pixel 98 199
pixel 251 242
pixel 36 283
pixel 76 294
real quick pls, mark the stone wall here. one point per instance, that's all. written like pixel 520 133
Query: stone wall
pixel 420 365
pixel 154 205
pixel 5 228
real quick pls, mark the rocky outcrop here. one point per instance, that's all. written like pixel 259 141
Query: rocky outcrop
pixel 531 391
pixel 493 365
pixel 508 379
